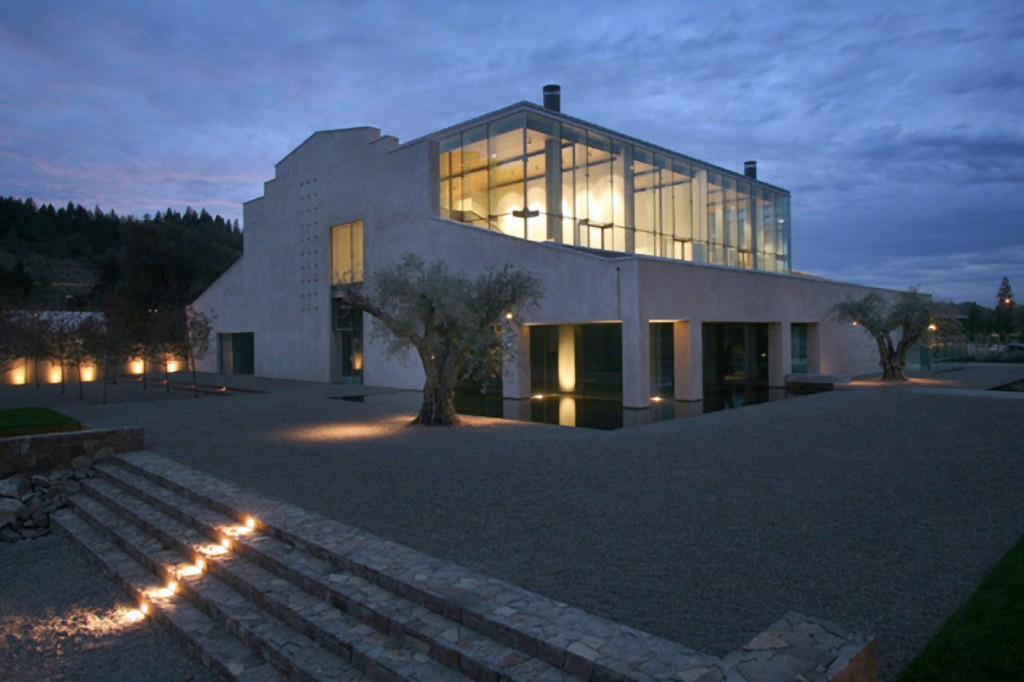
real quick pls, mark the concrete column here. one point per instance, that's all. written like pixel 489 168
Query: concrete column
pixel 780 353
pixel 636 362
pixel 553 187
pixel 515 367
pixel 813 349
pixel 689 360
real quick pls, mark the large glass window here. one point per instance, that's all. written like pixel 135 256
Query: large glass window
pixel 347 253
pixel 534 177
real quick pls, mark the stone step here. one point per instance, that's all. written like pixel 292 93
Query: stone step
pixel 303 627
pixel 577 643
pixel 425 631
pixel 216 647
pixel 294 654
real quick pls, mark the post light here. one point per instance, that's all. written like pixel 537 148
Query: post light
pixel 933 327
pixel 508 316
pixel 855 323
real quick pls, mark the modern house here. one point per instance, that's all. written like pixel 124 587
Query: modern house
pixel 663 275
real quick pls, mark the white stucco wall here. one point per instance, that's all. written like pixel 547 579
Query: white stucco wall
pixel 280 289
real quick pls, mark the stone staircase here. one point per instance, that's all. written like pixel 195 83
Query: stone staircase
pixel 264 590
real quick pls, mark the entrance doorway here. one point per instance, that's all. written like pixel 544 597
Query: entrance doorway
pixel 735 365
pixel 236 353
pixel 347 351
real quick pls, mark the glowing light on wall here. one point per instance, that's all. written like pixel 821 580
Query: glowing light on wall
pixel 566 358
pixel 136 367
pixel 88 373
pixel 19 375
pixel 173 365
pixel 53 374
pixel 567 412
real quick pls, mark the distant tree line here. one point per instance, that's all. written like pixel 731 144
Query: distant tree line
pixel 1004 321
pixel 167 259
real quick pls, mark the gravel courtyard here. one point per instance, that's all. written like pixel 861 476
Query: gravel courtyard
pixel 880 508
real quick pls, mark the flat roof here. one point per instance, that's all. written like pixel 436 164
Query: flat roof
pixel 564 118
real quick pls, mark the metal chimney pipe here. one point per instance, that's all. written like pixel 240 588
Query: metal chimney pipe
pixel 750 169
pixel 553 97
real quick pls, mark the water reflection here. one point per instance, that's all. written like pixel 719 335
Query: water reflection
pixel 609 414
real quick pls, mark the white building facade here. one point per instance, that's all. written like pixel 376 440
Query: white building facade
pixel 663 275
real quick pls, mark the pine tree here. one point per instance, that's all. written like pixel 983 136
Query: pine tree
pixel 1004 318
pixel 1004 297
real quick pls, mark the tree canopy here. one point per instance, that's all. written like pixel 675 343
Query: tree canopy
pixel 895 324
pixel 458 324
pixel 69 257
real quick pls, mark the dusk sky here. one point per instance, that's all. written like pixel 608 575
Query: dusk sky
pixel 897 126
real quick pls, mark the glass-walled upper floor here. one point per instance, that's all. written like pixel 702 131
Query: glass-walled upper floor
pixel 539 178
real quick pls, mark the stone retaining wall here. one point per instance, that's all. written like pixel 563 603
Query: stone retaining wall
pixel 56 450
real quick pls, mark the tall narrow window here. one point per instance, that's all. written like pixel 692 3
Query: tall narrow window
pixel 347 253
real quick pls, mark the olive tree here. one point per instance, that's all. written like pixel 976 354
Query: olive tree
pixel 195 341
pixel 458 324
pixel 895 324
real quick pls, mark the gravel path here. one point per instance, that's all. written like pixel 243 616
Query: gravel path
pixel 59 620
pixel 879 509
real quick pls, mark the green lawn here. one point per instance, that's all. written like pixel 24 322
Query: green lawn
pixel 984 640
pixel 24 421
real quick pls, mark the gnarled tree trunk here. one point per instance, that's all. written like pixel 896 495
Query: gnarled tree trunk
pixel 438 407
pixel 892 367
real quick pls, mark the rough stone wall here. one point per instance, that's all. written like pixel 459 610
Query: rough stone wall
pixel 57 450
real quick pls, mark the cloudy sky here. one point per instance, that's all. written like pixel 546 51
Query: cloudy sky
pixel 898 126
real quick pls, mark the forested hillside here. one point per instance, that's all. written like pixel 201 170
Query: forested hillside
pixel 74 258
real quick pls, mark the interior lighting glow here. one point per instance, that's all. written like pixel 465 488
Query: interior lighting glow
pixel 136 366
pixel 89 373
pixel 53 374
pixel 19 375
pixel 173 366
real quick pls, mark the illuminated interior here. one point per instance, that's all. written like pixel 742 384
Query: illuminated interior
pixel 539 178
pixel 347 253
